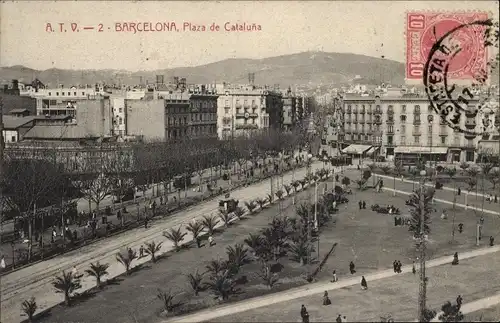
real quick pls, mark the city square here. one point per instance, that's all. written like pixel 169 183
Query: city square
pixel 208 162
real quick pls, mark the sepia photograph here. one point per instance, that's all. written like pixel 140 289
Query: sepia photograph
pixel 249 161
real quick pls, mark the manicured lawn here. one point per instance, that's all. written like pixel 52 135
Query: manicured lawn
pixel 396 296
pixel 363 236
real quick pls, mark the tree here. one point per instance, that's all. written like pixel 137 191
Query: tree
pixel 126 259
pixel 195 281
pixel 222 286
pixel 32 180
pixel 29 307
pixel 239 212
pixel 299 251
pixel 254 241
pixel 251 206
pixel 237 255
pixel 464 167
pixel 261 202
pixel 196 228
pixel 279 194
pixel 415 210
pixel 451 172
pixel 226 217
pixel 494 177
pixel 97 270
pixel 471 183
pixel 386 169
pixel 270 279
pixel 346 181
pixel 216 267
pixel 486 168
pixel 152 248
pixel 210 222
pixel 176 236
pixel 167 300
pixel 451 313
pixel 67 283
pixel 288 189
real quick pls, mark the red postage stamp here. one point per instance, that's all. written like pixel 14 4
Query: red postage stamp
pixel 424 29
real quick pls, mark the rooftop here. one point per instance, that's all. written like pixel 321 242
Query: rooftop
pixel 13 122
pixel 55 132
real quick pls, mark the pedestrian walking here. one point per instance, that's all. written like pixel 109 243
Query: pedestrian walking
pixel 364 285
pixel 413 270
pixel 459 301
pixel 481 220
pixel 460 227
pixel 339 319
pixel 395 265
pixel 360 205
pixel 2 263
pixel 400 265
pixel 459 191
pixel 304 314
pixel 146 222
pixel 455 259
pixel 344 319
pixel 496 199
pixel 491 241
pixel 326 299
pixel 130 252
pixel 364 205
pixel 352 268
pixel 141 251
pixel 334 276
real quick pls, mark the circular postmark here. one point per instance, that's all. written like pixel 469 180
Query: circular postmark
pixel 458 66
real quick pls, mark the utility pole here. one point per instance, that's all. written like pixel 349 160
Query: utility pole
pixel 422 295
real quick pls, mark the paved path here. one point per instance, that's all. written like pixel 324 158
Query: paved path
pixel 36 280
pixel 476 305
pixel 312 289
pixel 446 188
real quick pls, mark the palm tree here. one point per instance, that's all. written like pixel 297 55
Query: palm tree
pixel 270 198
pixel 167 300
pixel 222 286
pixel 210 222
pixel 494 177
pixel 295 185
pixel 97 270
pixel 29 307
pixel 226 217
pixel 195 281
pixel 288 189
pixel 254 241
pixel 152 249
pixel 464 167
pixel 261 202
pixel 279 194
pixel 67 284
pixel 216 267
pixel 269 278
pixel 196 228
pixel 413 174
pixel 239 212
pixel 126 259
pixel 299 251
pixel 251 206
pixel 237 255
pixel 176 236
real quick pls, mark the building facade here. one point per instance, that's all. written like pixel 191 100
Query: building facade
pixel 406 127
pixel 289 110
pixel 243 109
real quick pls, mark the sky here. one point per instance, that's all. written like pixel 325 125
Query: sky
pixel 369 28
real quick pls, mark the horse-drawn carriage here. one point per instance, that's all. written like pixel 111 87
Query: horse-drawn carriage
pixel 385 209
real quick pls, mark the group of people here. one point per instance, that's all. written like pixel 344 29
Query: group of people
pixel 490 198
pixel 400 221
pixel 362 205
pixel 396 265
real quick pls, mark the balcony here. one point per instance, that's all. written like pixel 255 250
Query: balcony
pixel 390 121
pixel 417 122
pixel 246 126
pixel 238 106
pixel 391 131
pixel 416 133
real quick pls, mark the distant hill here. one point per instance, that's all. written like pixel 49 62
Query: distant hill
pixel 313 68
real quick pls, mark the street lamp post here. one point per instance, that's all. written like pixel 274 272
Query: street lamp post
pixel 309 229
pixel 422 295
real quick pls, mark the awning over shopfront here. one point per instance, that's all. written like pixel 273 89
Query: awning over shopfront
pixel 372 150
pixel 356 149
pixel 420 150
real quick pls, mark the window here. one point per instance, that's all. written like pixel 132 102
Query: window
pixel 83 93
pixel 429 140
pixel 429 128
pixel 443 139
pixel 74 93
pixel 57 93
pixel 185 120
pixel 403 140
pixel 417 109
pixel 227 103
pixel 121 120
pixel 416 139
pixel 120 110
pixel 62 93
pixel 403 128
pixel 403 118
pixel 50 93
pixel 417 118
pixel 13 139
pixel 390 129
pixel 390 140
pixel 430 109
pixel 403 108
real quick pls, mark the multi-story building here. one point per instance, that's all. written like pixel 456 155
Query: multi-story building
pixel 289 109
pixel 175 115
pixel 406 127
pixel 246 108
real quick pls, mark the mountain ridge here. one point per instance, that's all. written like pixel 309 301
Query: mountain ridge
pixel 313 68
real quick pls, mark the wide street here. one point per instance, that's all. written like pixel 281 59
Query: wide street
pixel 36 280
